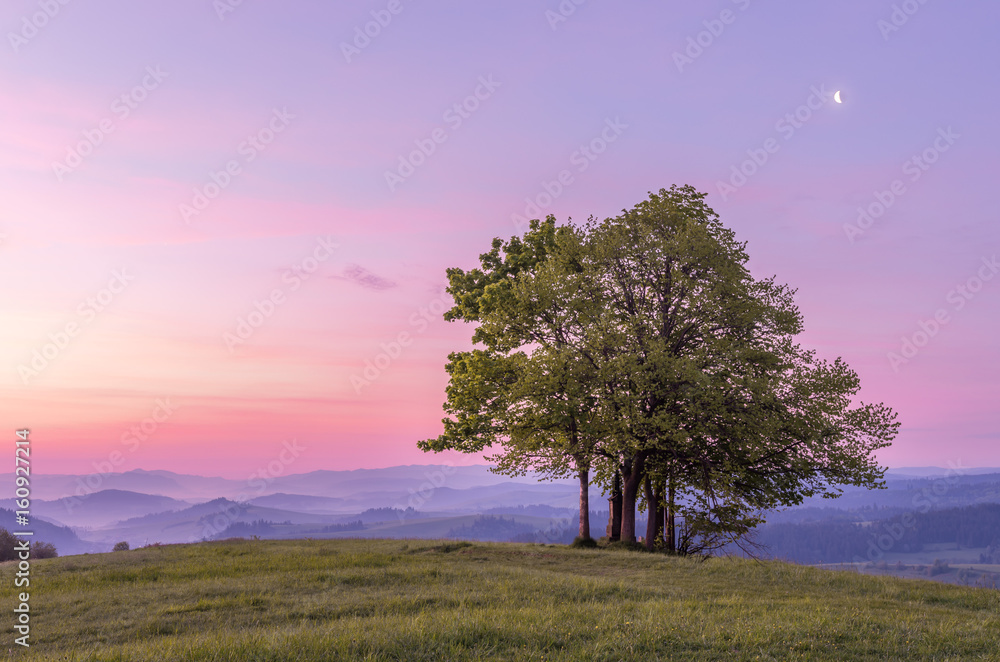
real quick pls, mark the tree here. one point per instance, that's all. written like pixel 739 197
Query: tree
pixel 705 385
pixel 7 544
pixel 675 294
pixel 524 392
pixel 641 348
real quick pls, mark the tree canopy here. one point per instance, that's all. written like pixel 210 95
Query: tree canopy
pixel 639 351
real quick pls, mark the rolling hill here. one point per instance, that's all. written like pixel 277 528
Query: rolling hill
pixel 101 508
pixel 64 538
pixel 272 601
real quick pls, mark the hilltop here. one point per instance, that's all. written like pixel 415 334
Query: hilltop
pixel 425 600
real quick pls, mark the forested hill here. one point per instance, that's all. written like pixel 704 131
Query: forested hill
pixel 63 537
pixel 837 541
pixel 902 495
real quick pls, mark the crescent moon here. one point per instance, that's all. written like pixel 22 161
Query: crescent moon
pixel 836 97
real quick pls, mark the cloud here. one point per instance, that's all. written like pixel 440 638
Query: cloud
pixel 361 276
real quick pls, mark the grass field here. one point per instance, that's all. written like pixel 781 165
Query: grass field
pixel 421 600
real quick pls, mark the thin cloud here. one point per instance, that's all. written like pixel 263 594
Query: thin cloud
pixel 361 276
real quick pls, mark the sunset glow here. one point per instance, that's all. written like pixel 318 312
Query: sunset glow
pixel 227 231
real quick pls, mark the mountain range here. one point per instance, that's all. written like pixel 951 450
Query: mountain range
pixel 85 514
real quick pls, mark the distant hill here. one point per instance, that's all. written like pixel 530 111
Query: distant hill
pixel 406 502
pixel 162 483
pixel 65 540
pixel 954 534
pixel 394 483
pixel 906 493
pixel 479 499
pixel 304 503
pixel 222 518
pixel 101 508
pixel 201 521
pixel 166 507
pixel 930 472
pixel 397 480
pixel 539 510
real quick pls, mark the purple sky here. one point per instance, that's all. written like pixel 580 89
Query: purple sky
pixel 148 326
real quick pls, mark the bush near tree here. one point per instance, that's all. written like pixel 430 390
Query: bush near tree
pixel 38 550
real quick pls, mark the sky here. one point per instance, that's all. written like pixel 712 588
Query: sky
pixel 225 225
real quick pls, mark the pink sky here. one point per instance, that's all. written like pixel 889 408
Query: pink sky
pixel 106 246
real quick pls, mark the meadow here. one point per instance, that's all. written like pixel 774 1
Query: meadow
pixel 263 600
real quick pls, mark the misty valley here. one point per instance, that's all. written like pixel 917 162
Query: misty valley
pixel 945 528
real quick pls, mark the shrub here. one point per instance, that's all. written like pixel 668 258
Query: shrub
pixel 579 542
pixel 121 546
pixel 39 550
pixel 44 550
pixel 939 568
pixel 451 547
pixel 624 544
pixel 7 542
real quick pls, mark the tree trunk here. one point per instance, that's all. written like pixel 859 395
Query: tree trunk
pixel 631 478
pixel 651 511
pixel 585 504
pixel 664 520
pixel 615 510
pixel 658 500
pixel 671 521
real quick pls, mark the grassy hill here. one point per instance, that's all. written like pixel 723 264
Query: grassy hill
pixel 421 600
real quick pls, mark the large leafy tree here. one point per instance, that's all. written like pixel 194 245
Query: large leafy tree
pixel 640 347
pixel 706 385
pixel 525 392
pixel 676 296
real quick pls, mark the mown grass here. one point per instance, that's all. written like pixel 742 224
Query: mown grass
pixel 395 600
